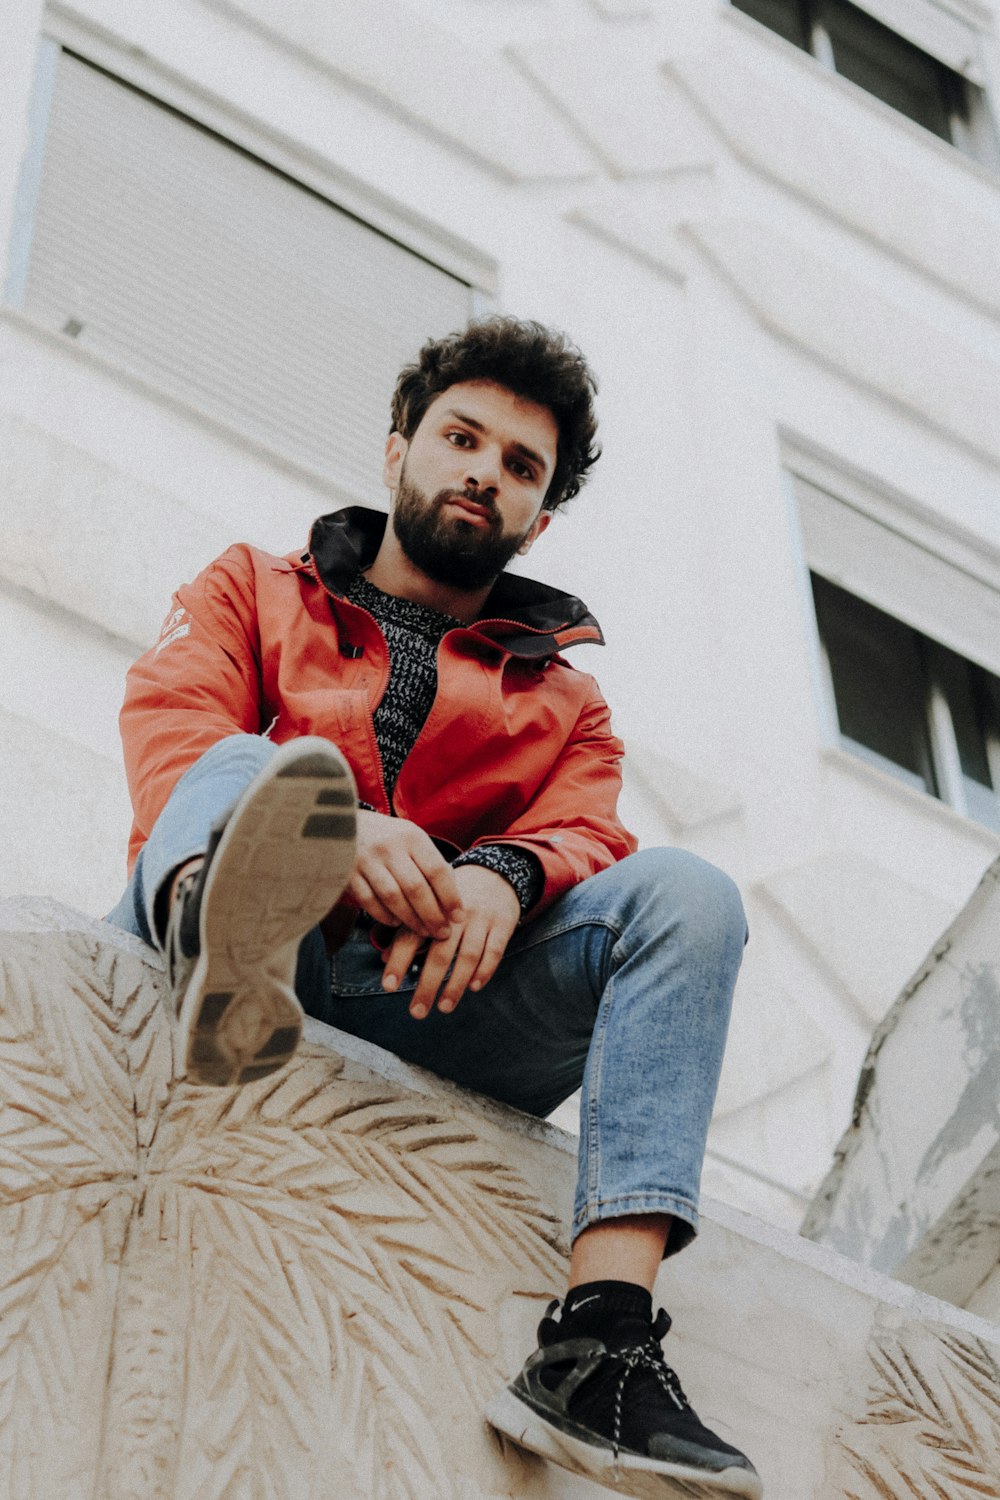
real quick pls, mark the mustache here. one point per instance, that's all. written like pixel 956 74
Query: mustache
pixel 443 496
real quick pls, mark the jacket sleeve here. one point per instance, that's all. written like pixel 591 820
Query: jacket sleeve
pixel 572 823
pixel 198 684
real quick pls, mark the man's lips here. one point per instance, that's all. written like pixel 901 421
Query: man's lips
pixel 471 512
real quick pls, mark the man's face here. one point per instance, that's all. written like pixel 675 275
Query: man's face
pixel 469 485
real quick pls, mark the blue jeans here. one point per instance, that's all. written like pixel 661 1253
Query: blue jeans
pixel 623 986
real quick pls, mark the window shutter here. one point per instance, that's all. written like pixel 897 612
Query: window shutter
pixel 899 575
pixel 223 282
pixel 933 30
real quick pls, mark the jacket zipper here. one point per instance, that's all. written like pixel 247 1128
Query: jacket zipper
pixel 516 625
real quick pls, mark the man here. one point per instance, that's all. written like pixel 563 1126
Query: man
pixel 485 914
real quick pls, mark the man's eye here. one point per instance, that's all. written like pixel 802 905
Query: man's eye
pixel 458 439
pixel 523 471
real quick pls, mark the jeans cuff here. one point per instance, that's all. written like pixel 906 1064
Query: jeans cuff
pixel 683 1212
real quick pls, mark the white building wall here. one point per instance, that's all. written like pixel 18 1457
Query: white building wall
pixel 764 265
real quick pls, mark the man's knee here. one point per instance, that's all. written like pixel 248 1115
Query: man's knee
pixel 682 890
pixel 250 752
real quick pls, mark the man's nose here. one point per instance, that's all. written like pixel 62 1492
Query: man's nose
pixel 483 471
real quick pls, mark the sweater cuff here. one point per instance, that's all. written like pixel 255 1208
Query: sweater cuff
pixel 519 866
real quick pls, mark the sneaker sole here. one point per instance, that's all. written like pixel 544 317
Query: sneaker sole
pixel 283 860
pixel 644 1478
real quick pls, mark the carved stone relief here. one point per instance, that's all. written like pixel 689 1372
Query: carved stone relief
pixel 309 1288
pixel 306 1288
pixel 930 1428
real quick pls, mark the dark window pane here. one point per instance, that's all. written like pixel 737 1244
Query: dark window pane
pixel 974 703
pixel 782 16
pixel 887 65
pixel 966 689
pixel 880 681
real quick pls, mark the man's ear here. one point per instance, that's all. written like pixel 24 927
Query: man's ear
pixel 538 525
pixel 395 452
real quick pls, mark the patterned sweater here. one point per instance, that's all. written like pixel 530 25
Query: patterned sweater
pixel 413 633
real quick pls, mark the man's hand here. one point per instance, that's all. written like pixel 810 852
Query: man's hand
pixel 477 942
pixel 401 879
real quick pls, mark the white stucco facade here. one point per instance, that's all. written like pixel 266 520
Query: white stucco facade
pixel 771 272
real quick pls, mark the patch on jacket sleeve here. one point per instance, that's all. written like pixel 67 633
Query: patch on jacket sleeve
pixel 175 627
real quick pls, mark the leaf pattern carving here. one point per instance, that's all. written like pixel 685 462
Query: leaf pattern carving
pixel 289 1291
pixel 931 1426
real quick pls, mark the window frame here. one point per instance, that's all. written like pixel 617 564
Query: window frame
pixel 972 124
pixel 325 177
pixel 318 179
pixel 943 776
pixel 953 548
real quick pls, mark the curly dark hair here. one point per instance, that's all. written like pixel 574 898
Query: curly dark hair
pixel 536 363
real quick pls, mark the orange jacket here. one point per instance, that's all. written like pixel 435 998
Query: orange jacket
pixel 517 748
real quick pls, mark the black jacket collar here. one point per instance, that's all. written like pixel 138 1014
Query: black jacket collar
pixel 530 619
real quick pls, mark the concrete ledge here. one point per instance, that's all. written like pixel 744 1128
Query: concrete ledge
pixel 309 1287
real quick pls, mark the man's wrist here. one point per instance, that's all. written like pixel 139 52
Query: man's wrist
pixel 522 869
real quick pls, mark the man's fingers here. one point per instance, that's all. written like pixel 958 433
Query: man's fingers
pixel 369 902
pixel 441 878
pixel 477 940
pixel 400 956
pixel 391 904
pixel 436 965
pixel 475 966
pixel 496 947
pixel 464 967
pixel 408 874
pixel 469 956
pixel 420 889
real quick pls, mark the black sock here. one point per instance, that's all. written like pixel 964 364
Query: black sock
pixel 616 1312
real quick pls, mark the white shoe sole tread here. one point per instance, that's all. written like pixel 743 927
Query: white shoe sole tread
pixel 283 860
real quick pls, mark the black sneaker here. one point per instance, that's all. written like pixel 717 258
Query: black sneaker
pixel 619 1416
pixel 275 865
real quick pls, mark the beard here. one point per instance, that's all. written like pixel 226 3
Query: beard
pixel 460 554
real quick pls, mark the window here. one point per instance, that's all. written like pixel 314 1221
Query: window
pixel 908 617
pixel 910 705
pixel 855 43
pixel 157 244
